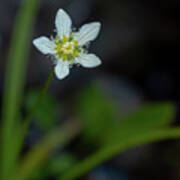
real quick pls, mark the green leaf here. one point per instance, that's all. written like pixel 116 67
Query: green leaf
pixel 39 174
pixel 97 113
pixel 61 163
pixel 106 153
pixel 146 125
pixel 148 117
pixel 103 124
pixel 14 83
pixel 48 111
pixel 55 166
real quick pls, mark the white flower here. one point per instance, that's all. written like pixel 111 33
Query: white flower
pixel 68 47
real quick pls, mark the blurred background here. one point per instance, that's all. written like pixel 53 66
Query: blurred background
pixel 138 46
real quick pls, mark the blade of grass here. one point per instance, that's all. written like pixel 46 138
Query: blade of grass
pixel 14 82
pixel 108 152
pixel 36 157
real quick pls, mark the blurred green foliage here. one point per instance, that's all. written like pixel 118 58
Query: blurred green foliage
pixel 99 115
pixel 146 118
pixel 14 86
pixel 40 153
pixel 117 133
pixel 61 163
pixel 104 122
pixel 48 113
pixel 55 166
pixel 97 112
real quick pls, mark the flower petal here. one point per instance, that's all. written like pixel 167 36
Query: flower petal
pixel 45 45
pixel 62 69
pixel 63 23
pixel 87 33
pixel 89 60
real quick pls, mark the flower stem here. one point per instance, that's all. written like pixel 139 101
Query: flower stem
pixel 23 129
pixel 37 103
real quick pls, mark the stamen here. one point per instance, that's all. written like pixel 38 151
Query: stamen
pixel 67 48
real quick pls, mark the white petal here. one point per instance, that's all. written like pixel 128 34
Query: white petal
pixel 63 23
pixel 62 69
pixel 45 45
pixel 87 33
pixel 89 60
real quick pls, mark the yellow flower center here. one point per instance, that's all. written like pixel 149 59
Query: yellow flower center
pixel 67 48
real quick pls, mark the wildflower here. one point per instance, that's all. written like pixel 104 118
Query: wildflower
pixel 68 46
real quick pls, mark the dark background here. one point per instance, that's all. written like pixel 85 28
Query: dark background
pixel 138 46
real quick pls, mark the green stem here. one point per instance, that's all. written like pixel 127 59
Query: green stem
pixel 38 101
pixel 24 128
